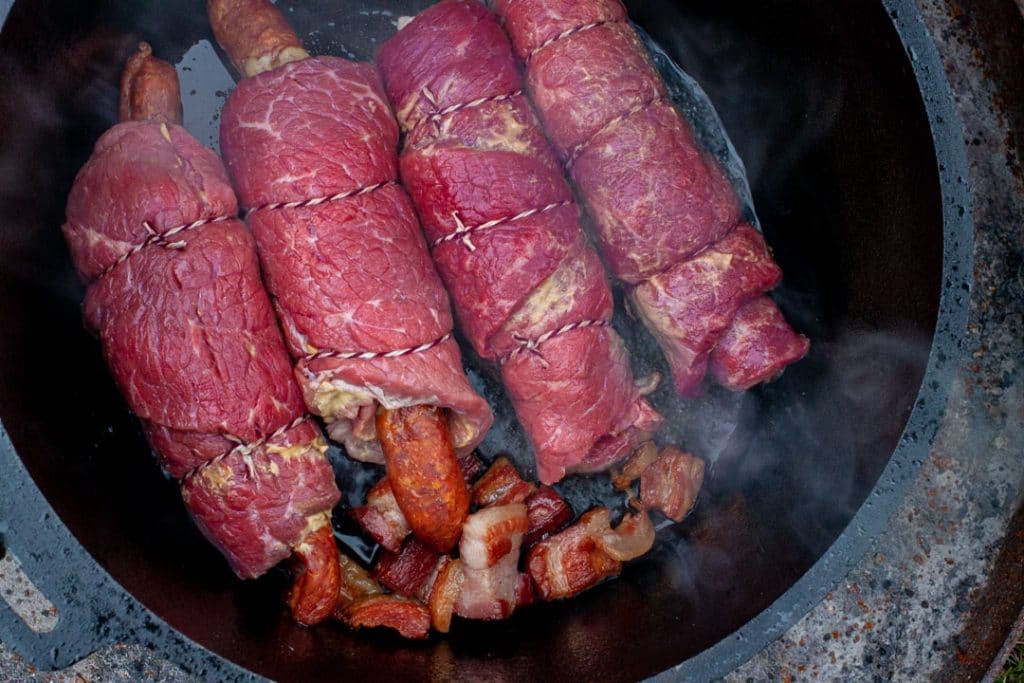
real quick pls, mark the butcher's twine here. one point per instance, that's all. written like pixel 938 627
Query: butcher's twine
pixel 438 114
pixel 575 152
pixel 370 355
pixel 532 345
pixel 162 239
pixel 246 448
pixel 463 232
pixel 315 201
pixel 565 34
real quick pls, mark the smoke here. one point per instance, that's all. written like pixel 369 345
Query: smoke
pixel 801 457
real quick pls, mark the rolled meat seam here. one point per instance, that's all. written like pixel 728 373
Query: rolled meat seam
pixel 529 291
pixel 657 199
pixel 175 295
pixel 311 146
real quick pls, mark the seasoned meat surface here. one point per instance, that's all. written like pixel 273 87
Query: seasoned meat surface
pixel 191 339
pixel 363 310
pixel 663 212
pixel 529 291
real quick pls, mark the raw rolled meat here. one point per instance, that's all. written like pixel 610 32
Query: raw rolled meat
pixel 175 295
pixel 311 146
pixel 656 198
pixel 529 291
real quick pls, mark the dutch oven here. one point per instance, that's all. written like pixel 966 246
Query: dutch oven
pixel 855 156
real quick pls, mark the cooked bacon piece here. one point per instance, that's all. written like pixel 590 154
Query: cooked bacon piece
pixel 445 592
pixel 407 571
pixel 671 483
pixel 427 587
pixel 356 583
pixel 489 551
pixel 501 485
pixel 633 467
pixel 381 517
pixel 409 617
pixel 547 512
pixel 570 562
pixel 524 591
pixel 492 592
pixel 471 466
pixel 492 533
pixel 633 537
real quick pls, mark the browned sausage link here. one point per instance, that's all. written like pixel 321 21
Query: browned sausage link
pixel 255 35
pixel 424 473
pixel 314 594
pixel 149 89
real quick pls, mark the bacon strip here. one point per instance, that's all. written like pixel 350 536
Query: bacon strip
pixel 671 483
pixel 407 616
pixel 489 552
pixel 381 517
pixel 406 572
pixel 570 562
pixel 501 485
pixel 634 466
pixel 548 512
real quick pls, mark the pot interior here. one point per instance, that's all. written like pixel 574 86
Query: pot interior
pixel 821 104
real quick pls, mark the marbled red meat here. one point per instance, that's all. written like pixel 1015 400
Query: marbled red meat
pixel 350 275
pixel 757 346
pixel 191 340
pixel 656 198
pixel 529 291
pixel 690 306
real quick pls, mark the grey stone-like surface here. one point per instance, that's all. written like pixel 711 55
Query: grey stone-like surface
pixel 896 616
pixel 114 665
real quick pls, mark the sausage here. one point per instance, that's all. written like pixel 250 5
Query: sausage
pixel 149 89
pixel 424 473
pixel 255 35
pixel 314 594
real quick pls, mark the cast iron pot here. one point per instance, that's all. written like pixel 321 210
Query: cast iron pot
pixel 854 154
